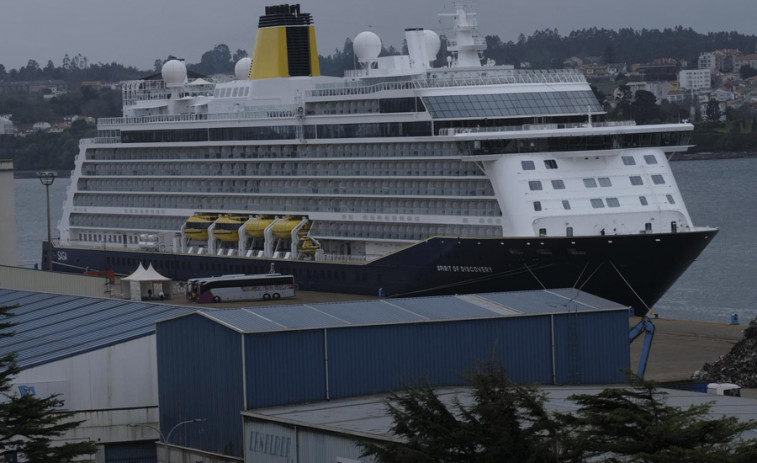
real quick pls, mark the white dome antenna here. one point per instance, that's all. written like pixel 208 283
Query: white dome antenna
pixel 174 73
pixel 367 47
pixel 242 68
pixel 433 44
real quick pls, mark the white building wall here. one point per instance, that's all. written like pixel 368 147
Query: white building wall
pixel 270 442
pixel 693 79
pixel 120 376
pixel 107 388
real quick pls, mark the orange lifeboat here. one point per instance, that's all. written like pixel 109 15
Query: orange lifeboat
pixel 196 227
pixel 257 226
pixel 227 227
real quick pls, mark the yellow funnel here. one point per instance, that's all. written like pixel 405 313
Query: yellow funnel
pixel 285 44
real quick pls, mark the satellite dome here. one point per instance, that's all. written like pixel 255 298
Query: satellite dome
pixel 174 72
pixel 242 68
pixel 366 46
pixel 433 43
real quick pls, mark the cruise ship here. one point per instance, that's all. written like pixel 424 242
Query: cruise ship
pixel 397 179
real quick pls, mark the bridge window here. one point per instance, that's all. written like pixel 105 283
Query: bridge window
pixel 527 165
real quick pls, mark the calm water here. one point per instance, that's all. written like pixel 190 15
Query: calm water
pixel 720 193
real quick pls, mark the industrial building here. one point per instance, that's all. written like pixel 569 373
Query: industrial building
pixel 214 365
pixel 211 370
pixel 99 355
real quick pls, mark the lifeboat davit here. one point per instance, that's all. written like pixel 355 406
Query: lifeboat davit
pixel 283 227
pixel 255 227
pixel 196 227
pixel 227 227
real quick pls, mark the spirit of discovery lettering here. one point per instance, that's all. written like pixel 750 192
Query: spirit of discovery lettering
pixel 464 269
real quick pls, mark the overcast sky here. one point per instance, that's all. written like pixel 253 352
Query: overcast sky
pixel 136 32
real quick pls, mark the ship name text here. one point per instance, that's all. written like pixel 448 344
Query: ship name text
pixel 464 269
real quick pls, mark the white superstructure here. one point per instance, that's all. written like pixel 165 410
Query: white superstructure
pixel 349 169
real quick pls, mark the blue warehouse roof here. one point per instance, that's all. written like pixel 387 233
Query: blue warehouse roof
pixel 408 310
pixel 51 327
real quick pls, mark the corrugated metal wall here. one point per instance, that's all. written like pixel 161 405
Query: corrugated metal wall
pixel 591 348
pixel 200 376
pixel 131 452
pixel 287 365
pixel 369 360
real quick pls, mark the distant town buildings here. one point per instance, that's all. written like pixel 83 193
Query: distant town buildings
pixel 745 60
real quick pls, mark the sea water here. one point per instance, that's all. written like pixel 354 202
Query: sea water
pixel 720 193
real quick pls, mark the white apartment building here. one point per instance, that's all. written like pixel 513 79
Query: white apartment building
pixel 694 79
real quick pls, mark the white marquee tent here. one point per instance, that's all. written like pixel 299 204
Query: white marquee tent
pixel 142 281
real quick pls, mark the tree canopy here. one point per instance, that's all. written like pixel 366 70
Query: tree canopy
pixel 506 422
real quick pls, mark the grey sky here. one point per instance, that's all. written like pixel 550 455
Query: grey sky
pixel 136 32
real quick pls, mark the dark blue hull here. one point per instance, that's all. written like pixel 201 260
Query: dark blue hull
pixel 634 270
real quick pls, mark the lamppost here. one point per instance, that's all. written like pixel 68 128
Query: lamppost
pixel 165 439
pixel 47 179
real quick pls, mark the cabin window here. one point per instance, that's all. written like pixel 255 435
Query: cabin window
pixel 550 164
pixel 604 182
pixel 643 200
pixel 597 203
pixel 629 161
pixel 613 202
pixel 534 185
pixel 566 204
pixel 527 165
pixel 537 205
pixel 558 184
pixel 658 179
pixel 650 159
pixel 636 180
pixel 590 183
pixel 670 199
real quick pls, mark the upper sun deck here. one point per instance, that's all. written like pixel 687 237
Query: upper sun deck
pixel 360 83
pixel 154 94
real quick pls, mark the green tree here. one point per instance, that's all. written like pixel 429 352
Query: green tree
pixel 506 422
pixel 31 425
pixel 644 108
pixel 713 110
pixel 636 425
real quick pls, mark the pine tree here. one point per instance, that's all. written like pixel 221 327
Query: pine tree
pixel 506 422
pixel 636 425
pixel 29 424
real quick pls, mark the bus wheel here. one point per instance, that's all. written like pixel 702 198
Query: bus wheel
pixel 216 298
pixel 276 296
pixel 266 296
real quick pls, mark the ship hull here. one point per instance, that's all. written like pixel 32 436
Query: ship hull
pixel 634 270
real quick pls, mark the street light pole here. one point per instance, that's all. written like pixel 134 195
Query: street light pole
pixel 47 179
pixel 165 439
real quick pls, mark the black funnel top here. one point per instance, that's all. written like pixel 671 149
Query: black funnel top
pixel 284 15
